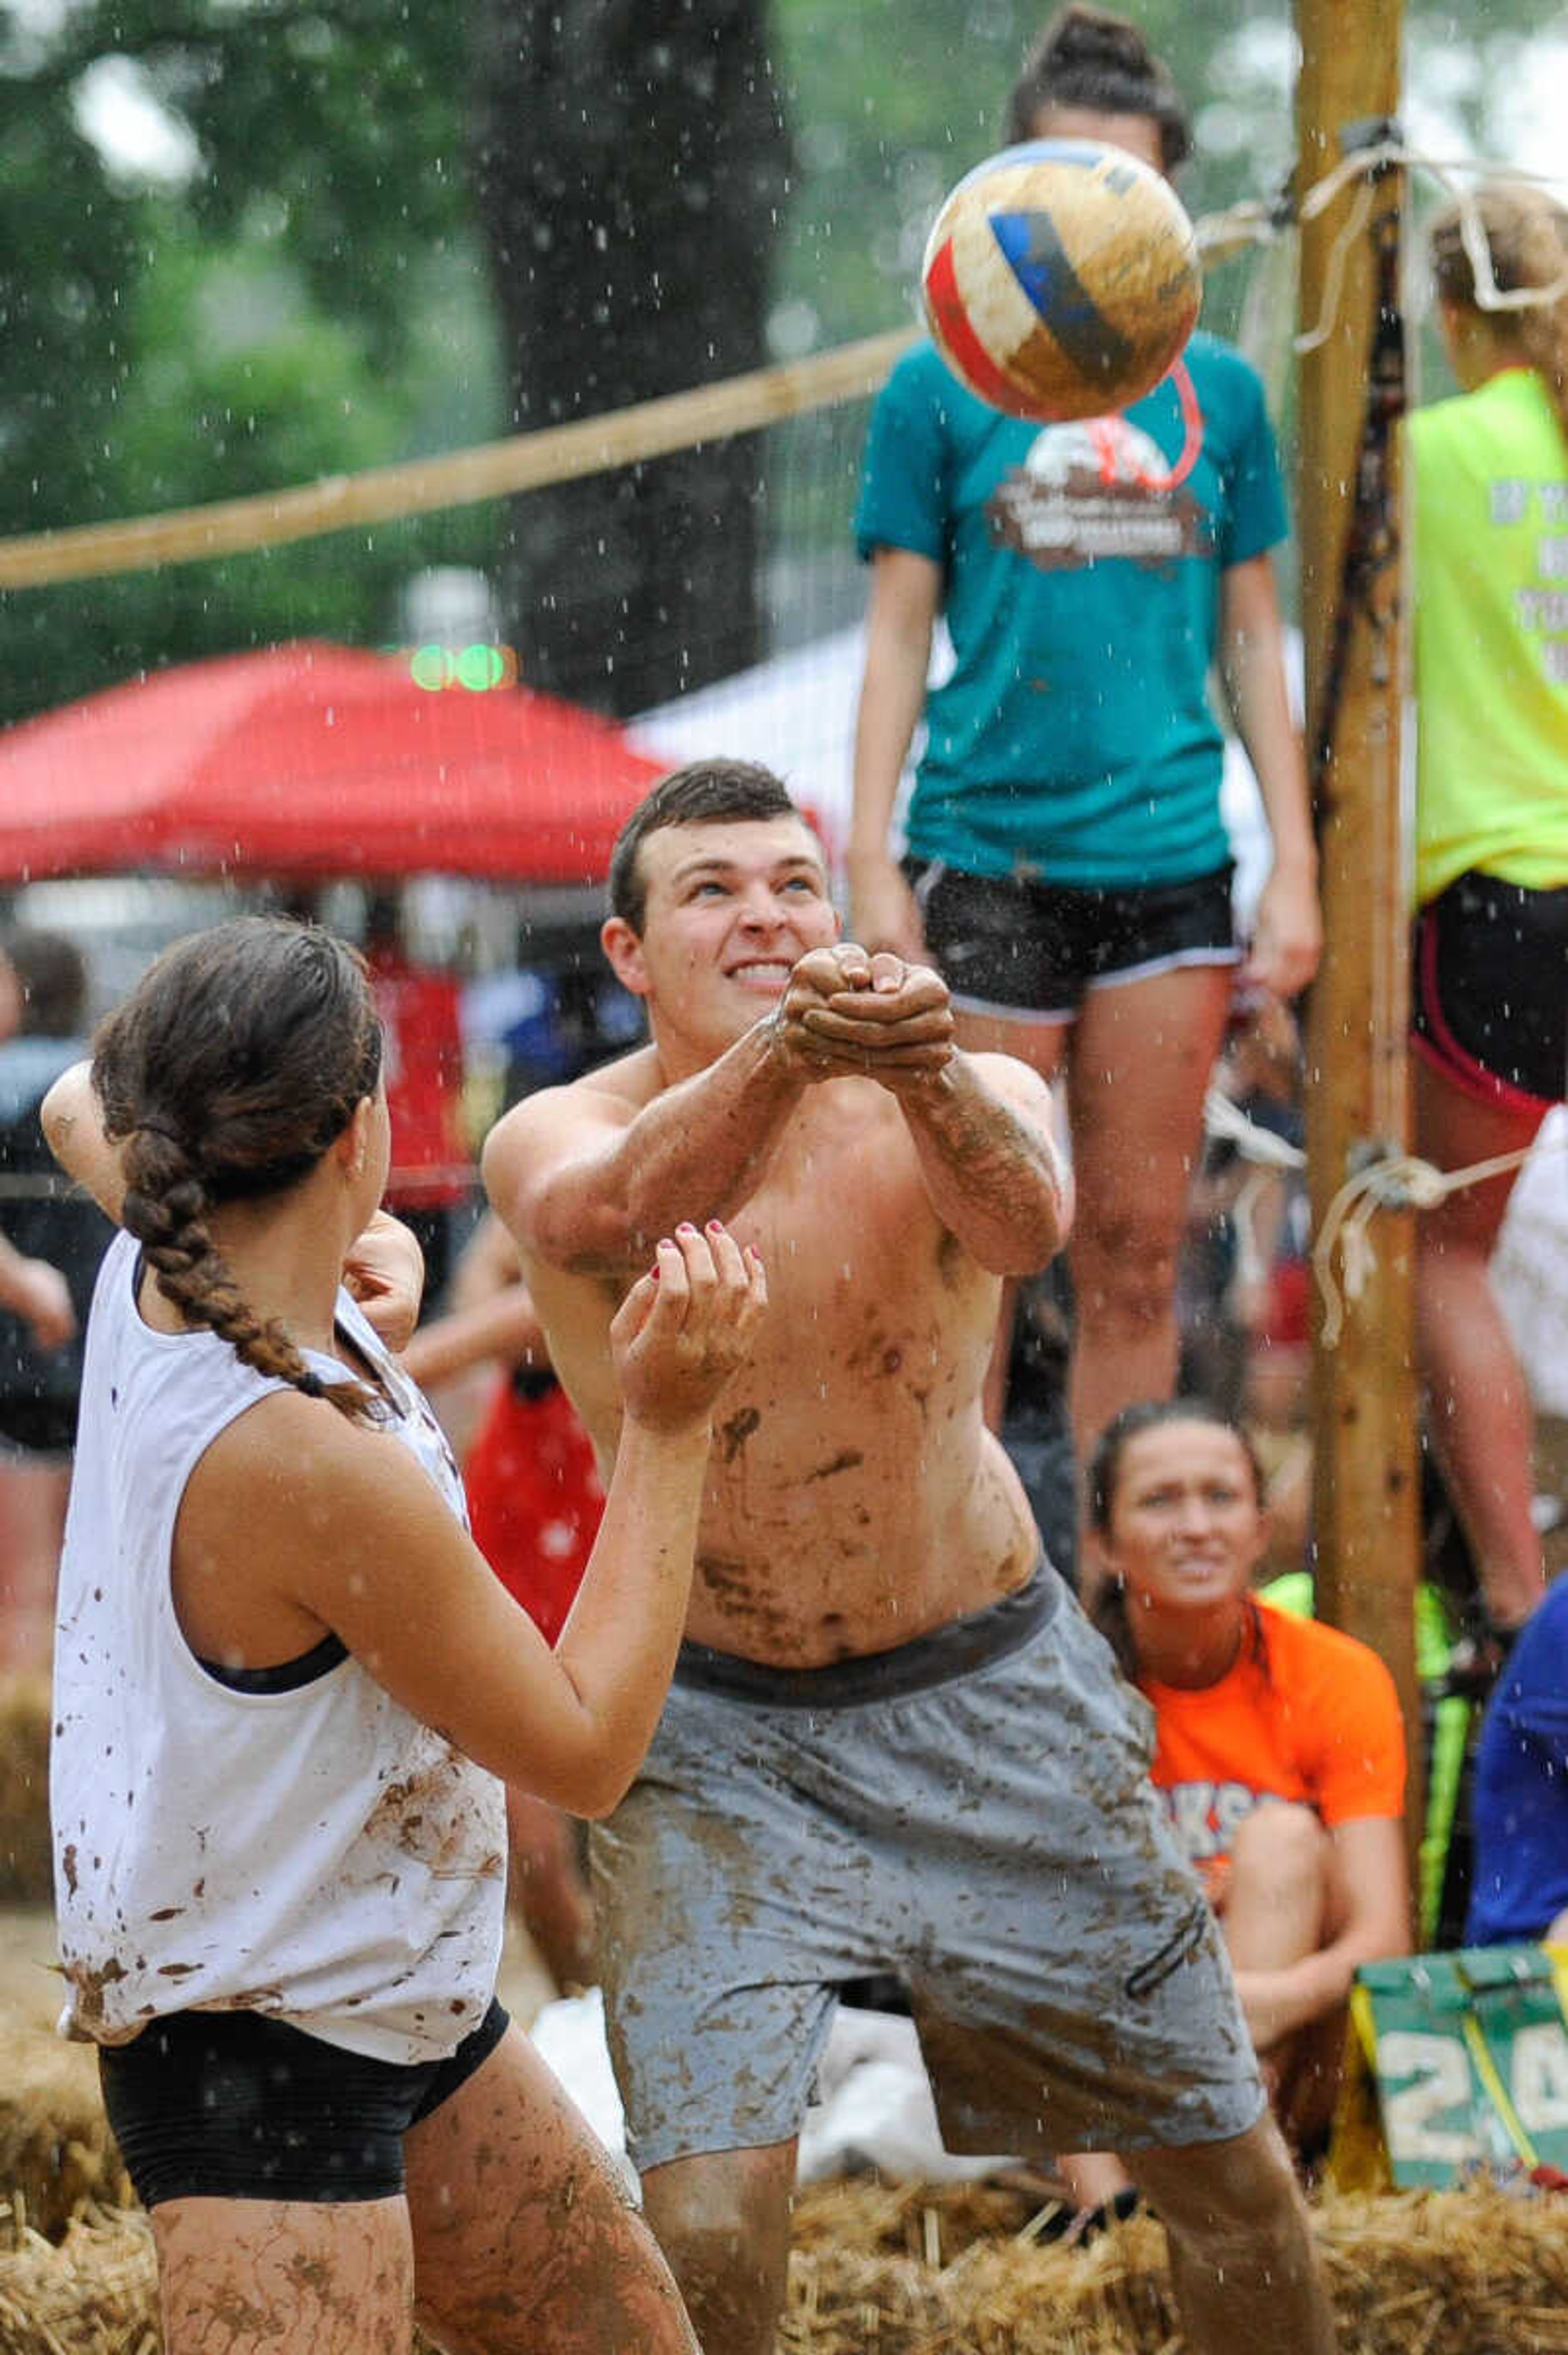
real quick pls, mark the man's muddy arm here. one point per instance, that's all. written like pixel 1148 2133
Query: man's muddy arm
pixel 991 1162
pixel 587 1183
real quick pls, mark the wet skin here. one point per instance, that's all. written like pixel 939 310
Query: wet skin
pixel 855 1498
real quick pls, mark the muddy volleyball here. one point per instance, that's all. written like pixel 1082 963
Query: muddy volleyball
pixel 1061 279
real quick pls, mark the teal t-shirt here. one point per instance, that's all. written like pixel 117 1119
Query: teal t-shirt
pixel 1074 741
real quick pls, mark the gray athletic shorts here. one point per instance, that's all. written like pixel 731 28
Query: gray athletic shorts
pixel 972 1811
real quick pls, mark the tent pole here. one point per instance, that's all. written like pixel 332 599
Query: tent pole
pixel 1366 1486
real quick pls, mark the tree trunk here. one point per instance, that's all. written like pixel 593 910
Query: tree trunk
pixel 631 163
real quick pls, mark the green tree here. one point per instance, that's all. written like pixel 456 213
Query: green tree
pixel 309 300
pixel 412 228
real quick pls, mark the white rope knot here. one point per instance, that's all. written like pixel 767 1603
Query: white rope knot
pixel 1396 1181
pixel 1256 221
pixel 1416 1185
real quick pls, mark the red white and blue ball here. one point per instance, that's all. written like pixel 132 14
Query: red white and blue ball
pixel 1061 279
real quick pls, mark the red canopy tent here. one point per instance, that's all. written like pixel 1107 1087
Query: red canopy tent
pixel 311 760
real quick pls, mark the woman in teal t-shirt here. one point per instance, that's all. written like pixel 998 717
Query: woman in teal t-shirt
pixel 1490 982
pixel 1069 870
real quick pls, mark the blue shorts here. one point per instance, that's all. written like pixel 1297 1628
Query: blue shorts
pixel 1027 951
pixel 971 1813
pixel 239 2105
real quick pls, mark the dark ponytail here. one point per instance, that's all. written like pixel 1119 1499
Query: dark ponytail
pixel 1088 58
pixel 229 1071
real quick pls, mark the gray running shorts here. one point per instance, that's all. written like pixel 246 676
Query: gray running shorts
pixel 972 1811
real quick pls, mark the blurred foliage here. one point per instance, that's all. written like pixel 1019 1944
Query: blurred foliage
pixel 311 299
pixel 893 99
pixel 313 295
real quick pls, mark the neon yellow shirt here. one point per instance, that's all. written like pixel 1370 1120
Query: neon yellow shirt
pixel 1492 636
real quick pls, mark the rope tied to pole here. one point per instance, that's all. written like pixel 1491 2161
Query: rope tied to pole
pixel 1262 221
pixel 1392 1181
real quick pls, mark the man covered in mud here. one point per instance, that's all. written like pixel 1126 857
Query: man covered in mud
pixel 893 1744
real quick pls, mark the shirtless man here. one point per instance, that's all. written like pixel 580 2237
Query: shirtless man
pixel 893 1742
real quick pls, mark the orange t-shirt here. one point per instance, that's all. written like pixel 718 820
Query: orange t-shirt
pixel 1315 1719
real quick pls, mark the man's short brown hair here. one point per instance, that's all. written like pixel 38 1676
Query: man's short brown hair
pixel 705 793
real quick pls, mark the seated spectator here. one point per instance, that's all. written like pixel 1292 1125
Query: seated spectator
pixel 1278 1741
pixel 1519 1885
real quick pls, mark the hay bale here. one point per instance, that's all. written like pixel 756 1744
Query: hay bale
pixel 1449 2273
pixel 96 2294
pixel 56 2149
pixel 32 1984
pixel 1470 2273
pixel 27 1872
pixel 1464 2273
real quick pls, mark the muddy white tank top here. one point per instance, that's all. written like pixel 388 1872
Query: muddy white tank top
pixel 317 1853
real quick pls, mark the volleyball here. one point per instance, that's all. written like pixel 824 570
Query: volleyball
pixel 1061 279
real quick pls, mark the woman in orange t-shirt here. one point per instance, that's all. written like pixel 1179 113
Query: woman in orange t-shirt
pixel 1279 1742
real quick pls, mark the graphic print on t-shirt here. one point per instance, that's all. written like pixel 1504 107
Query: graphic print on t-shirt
pixel 1208 1815
pixel 1098 487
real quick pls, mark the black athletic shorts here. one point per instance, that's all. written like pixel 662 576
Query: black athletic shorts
pixel 1011 946
pixel 44 1427
pixel 1490 994
pixel 236 2105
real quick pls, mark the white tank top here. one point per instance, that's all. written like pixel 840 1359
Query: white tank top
pixel 317 1853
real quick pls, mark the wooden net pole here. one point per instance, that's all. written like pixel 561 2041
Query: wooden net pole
pixel 1352 395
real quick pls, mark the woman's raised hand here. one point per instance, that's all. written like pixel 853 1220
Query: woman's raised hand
pixel 384 1273
pixel 684 1329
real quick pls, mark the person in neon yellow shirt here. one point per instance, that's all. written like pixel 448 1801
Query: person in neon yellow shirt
pixel 1491 471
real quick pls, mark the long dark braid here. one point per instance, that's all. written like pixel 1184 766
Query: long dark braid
pixel 228 1073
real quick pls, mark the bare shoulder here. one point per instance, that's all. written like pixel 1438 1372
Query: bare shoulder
pixel 544 1162
pixel 294 1502
pixel 552 1122
pixel 294 1459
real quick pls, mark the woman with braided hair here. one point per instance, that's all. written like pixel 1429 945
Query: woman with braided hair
pixel 1490 984
pixel 288 1689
